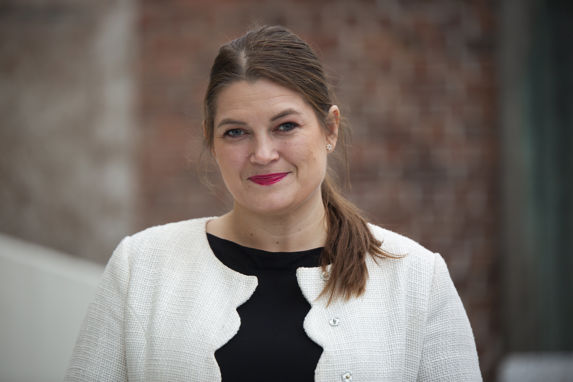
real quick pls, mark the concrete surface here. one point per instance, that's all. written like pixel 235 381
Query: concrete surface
pixel 44 296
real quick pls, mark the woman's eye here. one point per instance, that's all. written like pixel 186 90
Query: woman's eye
pixel 287 126
pixel 233 133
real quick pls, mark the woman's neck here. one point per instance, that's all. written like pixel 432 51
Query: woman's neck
pixel 294 231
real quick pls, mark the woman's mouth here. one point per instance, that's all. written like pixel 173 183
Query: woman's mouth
pixel 268 179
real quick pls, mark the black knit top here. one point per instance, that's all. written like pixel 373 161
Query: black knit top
pixel 271 344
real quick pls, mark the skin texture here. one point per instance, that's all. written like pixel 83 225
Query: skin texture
pixel 264 128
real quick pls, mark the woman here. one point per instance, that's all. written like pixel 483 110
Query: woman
pixel 292 282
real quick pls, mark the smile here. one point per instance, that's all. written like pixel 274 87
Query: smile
pixel 268 179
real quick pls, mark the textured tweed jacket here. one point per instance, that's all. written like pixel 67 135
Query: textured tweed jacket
pixel 166 303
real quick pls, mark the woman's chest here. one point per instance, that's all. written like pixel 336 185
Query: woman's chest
pixel 185 325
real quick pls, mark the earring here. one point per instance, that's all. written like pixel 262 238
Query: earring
pixel 328 147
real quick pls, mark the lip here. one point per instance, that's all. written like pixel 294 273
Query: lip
pixel 268 179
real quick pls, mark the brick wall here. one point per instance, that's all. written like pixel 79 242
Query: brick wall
pixel 66 129
pixel 414 78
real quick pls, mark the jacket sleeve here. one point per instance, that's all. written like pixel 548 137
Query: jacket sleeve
pixel 449 351
pixel 99 353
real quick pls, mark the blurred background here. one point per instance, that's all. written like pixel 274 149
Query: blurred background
pixel 462 118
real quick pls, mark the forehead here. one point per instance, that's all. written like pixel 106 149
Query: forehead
pixel 256 98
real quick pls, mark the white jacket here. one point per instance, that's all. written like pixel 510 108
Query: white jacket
pixel 166 303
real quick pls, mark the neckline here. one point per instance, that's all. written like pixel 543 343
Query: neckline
pixel 253 261
pixel 262 252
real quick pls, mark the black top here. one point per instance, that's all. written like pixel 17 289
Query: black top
pixel 271 344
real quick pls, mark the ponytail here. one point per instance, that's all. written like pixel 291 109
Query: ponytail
pixel 348 242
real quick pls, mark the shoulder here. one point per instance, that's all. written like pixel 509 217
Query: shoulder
pixel 415 275
pixel 407 250
pixel 170 232
pixel 163 243
pixel 413 267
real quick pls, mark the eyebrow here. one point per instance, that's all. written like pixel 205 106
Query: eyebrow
pixel 284 113
pixel 230 121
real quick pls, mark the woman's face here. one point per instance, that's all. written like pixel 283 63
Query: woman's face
pixel 270 147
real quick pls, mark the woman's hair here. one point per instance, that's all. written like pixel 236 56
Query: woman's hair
pixel 278 55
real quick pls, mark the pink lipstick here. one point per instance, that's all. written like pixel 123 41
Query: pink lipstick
pixel 268 179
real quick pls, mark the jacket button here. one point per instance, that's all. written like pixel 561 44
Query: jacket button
pixel 325 276
pixel 347 377
pixel 334 321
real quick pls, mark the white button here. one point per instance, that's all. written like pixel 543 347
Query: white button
pixel 334 321
pixel 346 377
pixel 325 276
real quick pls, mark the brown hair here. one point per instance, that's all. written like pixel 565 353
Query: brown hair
pixel 276 54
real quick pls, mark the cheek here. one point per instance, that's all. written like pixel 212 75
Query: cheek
pixel 313 157
pixel 229 160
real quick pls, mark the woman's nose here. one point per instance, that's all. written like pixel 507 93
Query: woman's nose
pixel 264 151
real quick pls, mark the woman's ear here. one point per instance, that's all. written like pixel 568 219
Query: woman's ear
pixel 332 124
